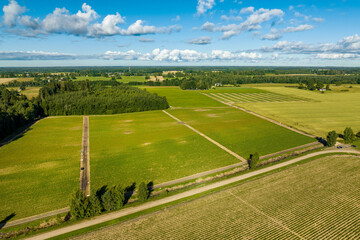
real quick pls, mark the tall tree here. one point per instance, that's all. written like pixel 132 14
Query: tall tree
pixel 143 192
pixel 349 135
pixel 331 138
pixel 253 160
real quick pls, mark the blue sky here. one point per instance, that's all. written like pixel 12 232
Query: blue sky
pixel 174 32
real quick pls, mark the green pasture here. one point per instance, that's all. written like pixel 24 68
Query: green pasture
pixel 184 98
pixel 333 110
pixel 241 132
pixel 148 146
pixel 124 79
pixel 39 170
pixel 314 200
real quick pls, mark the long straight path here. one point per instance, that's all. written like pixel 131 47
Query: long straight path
pixel 260 116
pixel 131 210
pixel 206 137
pixel 85 159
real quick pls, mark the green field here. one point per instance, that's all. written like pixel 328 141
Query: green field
pixel 184 98
pixel 333 110
pixel 148 146
pixel 239 131
pixel 39 170
pixel 315 200
pixel 124 79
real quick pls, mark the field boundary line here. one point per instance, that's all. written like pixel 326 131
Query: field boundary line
pixel 206 137
pixel 263 117
pixel 291 149
pixel 269 217
pixel 35 217
pixel 131 210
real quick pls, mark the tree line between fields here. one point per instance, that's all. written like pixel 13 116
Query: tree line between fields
pixel 72 98
pixel 348 136
pixel 107 199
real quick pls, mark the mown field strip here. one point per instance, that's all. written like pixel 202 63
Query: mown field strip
pixel 206 137
pixel 239 97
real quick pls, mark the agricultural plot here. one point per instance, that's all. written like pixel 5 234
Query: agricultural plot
pixel 333 110
pixel 184 98
pixel 39 170
pixel 255 97
pixel 241 132
pixel 314 200
pixel 148 146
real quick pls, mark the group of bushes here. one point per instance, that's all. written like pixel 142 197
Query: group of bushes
pixel 106 199
pixel 348 135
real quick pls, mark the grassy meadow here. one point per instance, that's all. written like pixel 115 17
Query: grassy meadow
pixel 184 98
pixel 39 170
pixel 148 146
pixel 333 110
pixel 239 131
pixel 315 200
pixel 124 79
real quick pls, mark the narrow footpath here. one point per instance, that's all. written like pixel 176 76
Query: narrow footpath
pixel 131 210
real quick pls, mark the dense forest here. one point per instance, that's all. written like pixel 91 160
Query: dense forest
pixel 16 111
pixel 60 99
pixel 73 98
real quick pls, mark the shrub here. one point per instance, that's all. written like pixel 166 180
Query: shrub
pixel 331 139
pixel 143 192
pixel 349 135
pixel 253 160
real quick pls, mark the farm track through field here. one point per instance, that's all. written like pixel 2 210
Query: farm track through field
pixel 131 210
pixel 85 159
pixel 260 116
pixel 207 138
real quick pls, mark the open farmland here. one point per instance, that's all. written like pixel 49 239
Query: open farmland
pixel 184 98
pixel 239 131
pixel 6 80
pixel 148 146
pixel 39 171
pixel 124 79
pixel 315 200
pixel 333 110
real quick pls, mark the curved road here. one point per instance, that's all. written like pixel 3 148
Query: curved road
pixel 148 205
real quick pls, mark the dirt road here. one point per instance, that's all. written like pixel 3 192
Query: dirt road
pixel 148 205
pixel 85 159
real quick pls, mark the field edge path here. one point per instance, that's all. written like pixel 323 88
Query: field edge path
pixel 131 210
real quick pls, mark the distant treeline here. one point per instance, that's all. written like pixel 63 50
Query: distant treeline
pixel 73 98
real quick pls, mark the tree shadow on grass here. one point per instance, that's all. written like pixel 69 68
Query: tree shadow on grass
pixel 129 191
pixel 5 220
pixel 150 187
